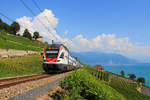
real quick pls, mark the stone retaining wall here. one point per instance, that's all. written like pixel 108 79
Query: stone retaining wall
pixel 12 52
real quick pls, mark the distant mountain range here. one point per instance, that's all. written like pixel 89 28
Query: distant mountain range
pixel 93 58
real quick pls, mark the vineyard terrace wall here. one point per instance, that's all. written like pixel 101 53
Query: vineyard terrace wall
pixel 12 52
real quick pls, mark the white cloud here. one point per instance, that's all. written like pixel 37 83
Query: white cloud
pixel 45 23
pixel 107 43
pixel 25 22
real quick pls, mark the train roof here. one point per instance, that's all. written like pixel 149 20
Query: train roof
pixel 57 45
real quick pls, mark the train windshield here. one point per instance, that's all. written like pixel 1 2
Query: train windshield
pixel 52 52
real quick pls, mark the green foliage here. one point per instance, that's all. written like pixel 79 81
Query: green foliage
pixel 14 28
pixel 27 34
pixel 141 80
pixel 1 21
pixel 101 75
pixel 36 35
pixel 127 89
pixel 4 26
pixel 15 66
pixel 89 83
pixel 132 76
pixel 11 29
pixel 81 85
pixel 122 73
pixel 9 41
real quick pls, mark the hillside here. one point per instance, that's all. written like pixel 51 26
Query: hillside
pixel 90 84
pixel 93 58
pixel 18 66
pixel 9 41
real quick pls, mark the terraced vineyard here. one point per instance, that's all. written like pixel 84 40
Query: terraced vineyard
pixel 17 66
pixel 8 41
pixel 127 89
pixel 91 84
pixel 100 75
pixel 124 86
pixel 81 85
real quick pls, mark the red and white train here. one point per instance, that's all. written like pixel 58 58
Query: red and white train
pixel 57 58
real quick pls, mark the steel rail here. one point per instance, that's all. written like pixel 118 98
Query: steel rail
pixel 23 79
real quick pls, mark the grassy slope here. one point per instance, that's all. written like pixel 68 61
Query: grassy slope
pixel 127 89
pixel 124 86
pixel 8 41
pixel 31 64
pixel 14 66
pixel 82 85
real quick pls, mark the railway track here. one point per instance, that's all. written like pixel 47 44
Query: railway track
pixel 8 82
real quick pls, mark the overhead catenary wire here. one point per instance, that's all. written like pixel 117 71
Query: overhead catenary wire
pixel 11 20
pixel 38 7
pixel 32 12
pixel 26 6
pixel 6 17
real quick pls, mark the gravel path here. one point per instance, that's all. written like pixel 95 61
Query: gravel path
pixel 32 94
pixel 7 93
pixel 48 95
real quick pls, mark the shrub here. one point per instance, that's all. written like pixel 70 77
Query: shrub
pixel 27 34
pixel 82 85
pixel 141 80
pixel 36 35
pixel 132 76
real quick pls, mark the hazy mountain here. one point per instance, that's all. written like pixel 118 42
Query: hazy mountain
pixel 93 58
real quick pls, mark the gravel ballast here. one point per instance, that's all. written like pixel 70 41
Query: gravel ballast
pixel 32 94
pixel 10 92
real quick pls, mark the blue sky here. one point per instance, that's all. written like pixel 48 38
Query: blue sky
pixel 124 18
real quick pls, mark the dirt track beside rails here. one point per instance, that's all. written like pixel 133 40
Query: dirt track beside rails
pixel 48 94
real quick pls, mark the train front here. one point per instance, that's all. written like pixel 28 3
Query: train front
pixel 51 61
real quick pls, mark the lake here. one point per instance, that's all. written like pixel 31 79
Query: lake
pixel 140 70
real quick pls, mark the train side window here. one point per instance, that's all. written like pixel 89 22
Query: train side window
pixel 62 55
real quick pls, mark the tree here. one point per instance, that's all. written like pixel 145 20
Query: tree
pixel 4 26
pixel 27 34
pixel 35 35
pixel 141 80
pixel 132 76
pixel 1 24
pixel 122 73
pixel 14 28
pixel 1 20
